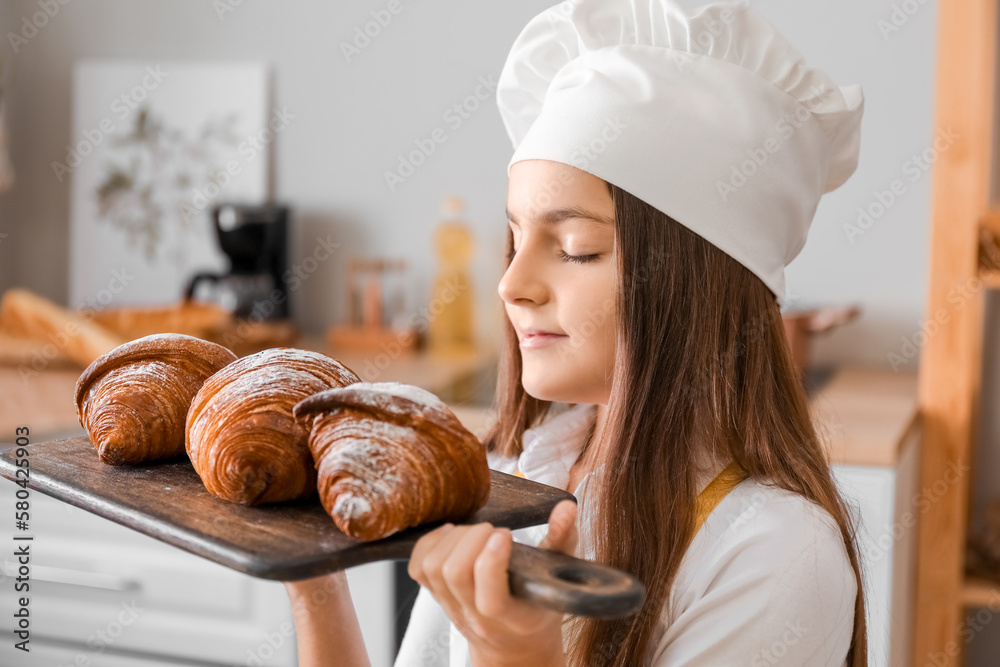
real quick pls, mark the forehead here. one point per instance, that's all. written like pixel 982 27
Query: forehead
pixel 539 186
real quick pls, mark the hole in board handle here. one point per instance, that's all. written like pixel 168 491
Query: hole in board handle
pixel 578 576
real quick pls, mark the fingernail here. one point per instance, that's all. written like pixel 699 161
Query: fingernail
pixel 496 540
pixel 446 527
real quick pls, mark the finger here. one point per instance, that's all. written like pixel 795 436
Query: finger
pixel 433 564
pixel 492 589
pixel 424 545
pixel 562 533
pixel 457 570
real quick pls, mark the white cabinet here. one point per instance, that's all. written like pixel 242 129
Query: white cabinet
pixel 887 503
pixel 103 594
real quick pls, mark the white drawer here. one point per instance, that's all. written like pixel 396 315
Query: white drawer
pixel 89 572
pixel 49 654
pixel 91 576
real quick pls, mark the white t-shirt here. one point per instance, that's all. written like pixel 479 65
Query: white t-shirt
pixel 765 581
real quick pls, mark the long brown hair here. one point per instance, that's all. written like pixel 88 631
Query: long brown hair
pixel 701 358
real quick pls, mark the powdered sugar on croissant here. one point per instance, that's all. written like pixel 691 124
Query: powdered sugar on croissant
pixel 390 456
pixel 134 399
pixel 241 436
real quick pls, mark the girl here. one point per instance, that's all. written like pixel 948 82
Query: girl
pixel 646 297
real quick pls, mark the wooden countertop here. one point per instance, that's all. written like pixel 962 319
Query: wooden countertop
pixel 863 414
pixel 866 415
pixel 44 401
pixel 436 373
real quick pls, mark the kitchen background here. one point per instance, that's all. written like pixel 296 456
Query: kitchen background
pixel 352 117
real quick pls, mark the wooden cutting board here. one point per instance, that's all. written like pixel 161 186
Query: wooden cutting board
pixel 298 540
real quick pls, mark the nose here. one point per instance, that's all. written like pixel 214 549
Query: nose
pixel 523 280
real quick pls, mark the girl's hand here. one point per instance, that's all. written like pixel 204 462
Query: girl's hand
pixel 466 572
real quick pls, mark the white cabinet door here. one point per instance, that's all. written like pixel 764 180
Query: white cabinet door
pixel 102 588
pixel 887 503
pixel 48 654
pixel 871 491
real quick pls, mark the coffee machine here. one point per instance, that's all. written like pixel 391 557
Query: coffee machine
pixel 255 239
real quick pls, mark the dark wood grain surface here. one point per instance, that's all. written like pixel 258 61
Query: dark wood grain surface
pixel 284 541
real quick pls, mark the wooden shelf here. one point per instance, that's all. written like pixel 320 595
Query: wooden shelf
pixel 989 249
pixel 991 279
pixel 979 593
pixel 965 227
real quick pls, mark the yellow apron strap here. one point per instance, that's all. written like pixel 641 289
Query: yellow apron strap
pixel 716 490
pixel 712 494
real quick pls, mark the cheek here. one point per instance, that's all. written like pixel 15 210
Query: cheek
pixel 595 350
pixel 590 351
pixel 594 326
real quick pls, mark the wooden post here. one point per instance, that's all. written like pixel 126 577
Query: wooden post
pixel 951 359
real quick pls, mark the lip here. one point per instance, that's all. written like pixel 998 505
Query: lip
pixel 533 339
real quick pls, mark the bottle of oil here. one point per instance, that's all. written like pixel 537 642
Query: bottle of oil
pixel 451 326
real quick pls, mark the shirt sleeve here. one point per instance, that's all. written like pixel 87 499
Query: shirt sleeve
pixel 431 639
pixel 774 587
pixel 426 642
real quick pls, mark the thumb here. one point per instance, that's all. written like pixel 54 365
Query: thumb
pixel 562 535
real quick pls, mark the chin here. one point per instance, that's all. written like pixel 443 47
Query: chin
pixel 545 387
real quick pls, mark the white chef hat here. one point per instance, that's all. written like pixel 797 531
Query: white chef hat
pixel 713 118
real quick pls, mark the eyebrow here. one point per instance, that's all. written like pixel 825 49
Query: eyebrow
pixel 555 216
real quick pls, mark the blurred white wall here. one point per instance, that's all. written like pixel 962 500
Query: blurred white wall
pixel 354 119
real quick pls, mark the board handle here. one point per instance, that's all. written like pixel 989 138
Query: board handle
pixel 571 585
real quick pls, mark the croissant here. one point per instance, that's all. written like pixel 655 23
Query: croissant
pixel 390 456
pixel 241 436
pixel 133 399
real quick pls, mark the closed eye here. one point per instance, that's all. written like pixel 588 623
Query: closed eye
pixel 579 259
